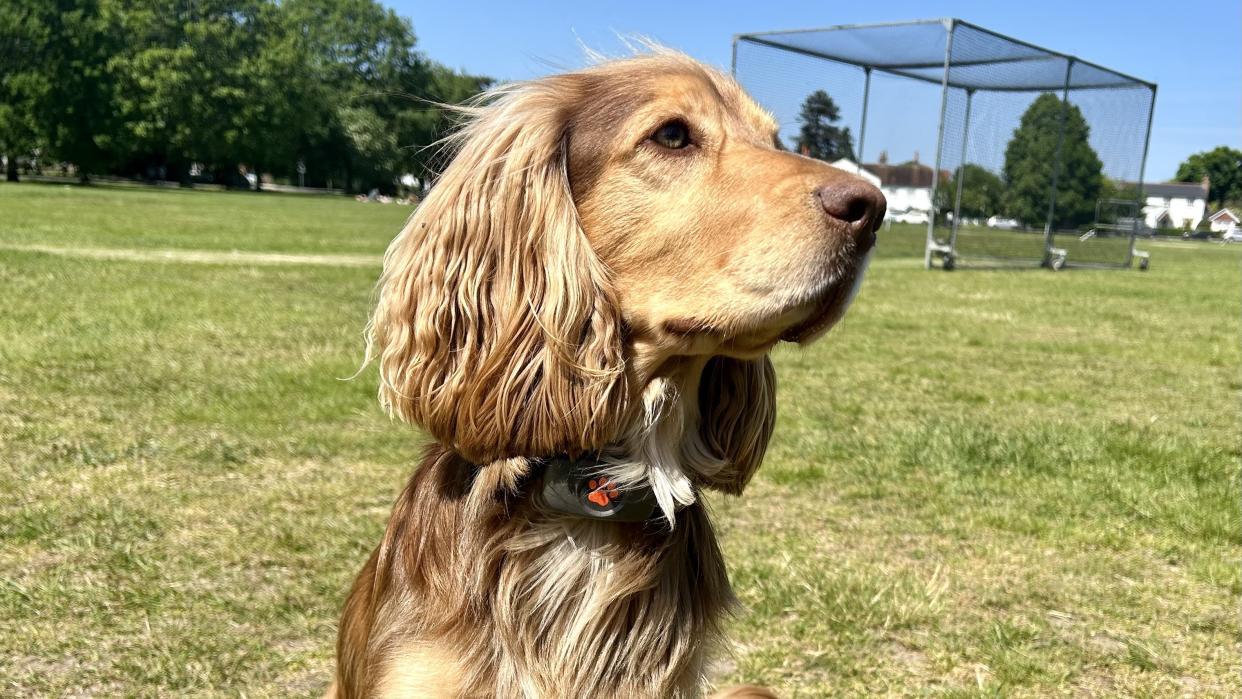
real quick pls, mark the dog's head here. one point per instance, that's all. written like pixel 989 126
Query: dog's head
pixel 596 228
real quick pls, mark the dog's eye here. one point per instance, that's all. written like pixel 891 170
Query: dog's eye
pixel 673 135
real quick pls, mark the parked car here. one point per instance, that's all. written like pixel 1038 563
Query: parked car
pixel 1232 236
pixel 1004 224
pixel 910 216
pixel 1201 234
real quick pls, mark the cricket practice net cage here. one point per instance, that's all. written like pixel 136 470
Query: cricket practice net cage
pixel 1038 155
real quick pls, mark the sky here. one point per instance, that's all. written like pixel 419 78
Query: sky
pixel 1192 49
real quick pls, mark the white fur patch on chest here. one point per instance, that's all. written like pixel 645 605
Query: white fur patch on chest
pixel 664 449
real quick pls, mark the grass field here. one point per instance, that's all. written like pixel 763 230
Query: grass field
pixel 984 483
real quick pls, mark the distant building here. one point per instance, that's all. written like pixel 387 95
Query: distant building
pixel 907 187
pixel 852 167
pixel 1224 221
pixel 1180 205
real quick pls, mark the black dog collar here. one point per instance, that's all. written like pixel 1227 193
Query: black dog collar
pixel 580 488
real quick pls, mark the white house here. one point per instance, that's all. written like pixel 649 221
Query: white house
pixel 1179 205
pixel 853 168
pixel 906 187
pixel 1224 221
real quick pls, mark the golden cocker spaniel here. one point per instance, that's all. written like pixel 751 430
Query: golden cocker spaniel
pixel 579 315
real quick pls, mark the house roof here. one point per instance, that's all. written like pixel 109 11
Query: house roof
pixel 1173 190
pixel 852 167
pixel 1222 214
pixel 908 175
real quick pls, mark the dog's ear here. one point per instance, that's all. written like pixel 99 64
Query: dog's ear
pixel 496 328
pixel 737 411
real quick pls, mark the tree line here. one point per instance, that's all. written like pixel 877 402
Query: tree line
pixel 198 90
pixel 1021 189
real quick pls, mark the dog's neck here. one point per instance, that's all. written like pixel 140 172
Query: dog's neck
pixel 662 448
pixel 652 470
pixel 538 605
pixel 632 607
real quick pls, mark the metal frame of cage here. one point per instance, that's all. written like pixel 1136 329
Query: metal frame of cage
pixel 946 252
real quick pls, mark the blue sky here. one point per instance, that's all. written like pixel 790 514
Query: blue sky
pixel 1190 48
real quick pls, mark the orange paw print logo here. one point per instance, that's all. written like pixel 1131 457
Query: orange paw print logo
pixel 603 491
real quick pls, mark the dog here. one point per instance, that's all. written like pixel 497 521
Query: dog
pixel 579 315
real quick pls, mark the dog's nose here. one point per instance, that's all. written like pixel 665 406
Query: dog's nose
pixel 857 204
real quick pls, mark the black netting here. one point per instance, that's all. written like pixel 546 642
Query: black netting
pixel 781 81
pixel 1000 149
pixel 907 44
pixel 1118 122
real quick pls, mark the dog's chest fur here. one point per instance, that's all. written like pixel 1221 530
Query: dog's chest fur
pixel 477 591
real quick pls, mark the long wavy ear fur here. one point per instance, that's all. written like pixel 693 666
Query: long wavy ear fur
pixel 737 411
pixel 496 328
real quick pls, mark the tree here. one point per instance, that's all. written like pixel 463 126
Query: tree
pixel 421 122
pixel 372 146
pixel 151 87
pixel 54 89
pixel 75 112
pixel 1222 166
pixel 982 192
pixel 278 106
pixel 819 137
pixel 1031 158
pixel 1124 191
pixel 24 35
pixel 373 91
pixel 211 84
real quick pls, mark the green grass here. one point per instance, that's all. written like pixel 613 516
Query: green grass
pixel 116 217
pixel 984 483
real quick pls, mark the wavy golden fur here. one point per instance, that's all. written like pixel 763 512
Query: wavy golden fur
pixel 602 268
